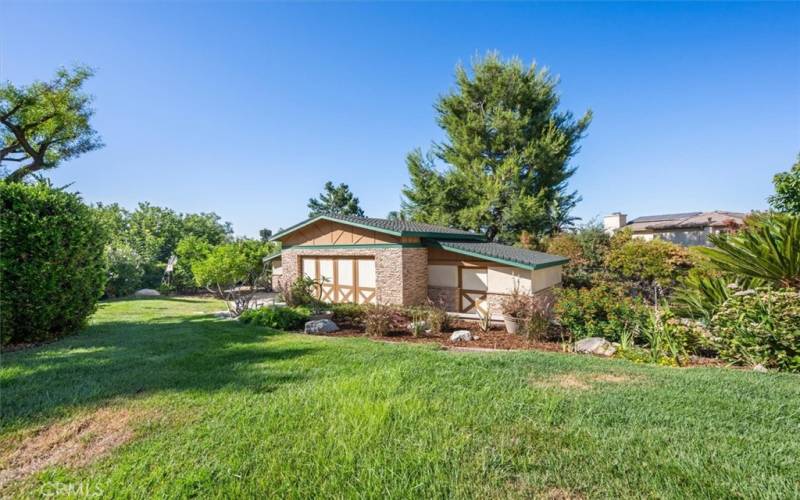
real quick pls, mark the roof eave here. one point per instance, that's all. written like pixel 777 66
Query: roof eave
pixel 400 234
pixel 272 256
pixel 499 260
pixel 312 220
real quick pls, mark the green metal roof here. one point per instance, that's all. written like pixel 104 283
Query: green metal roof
pixel 503 254
pixel 393 227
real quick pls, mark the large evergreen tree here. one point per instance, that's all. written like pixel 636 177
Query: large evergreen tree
pixel 506 155
pixel 334 200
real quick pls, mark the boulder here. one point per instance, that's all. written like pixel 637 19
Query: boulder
pixel 760 368
pixel 146 292
pixel 595 345
pixel 461 336
pixel 320 326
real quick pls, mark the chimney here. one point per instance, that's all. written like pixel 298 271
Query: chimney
pixel 614 221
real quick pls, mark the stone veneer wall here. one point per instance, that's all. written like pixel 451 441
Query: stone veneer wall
pixel 415 276
pixel 401 274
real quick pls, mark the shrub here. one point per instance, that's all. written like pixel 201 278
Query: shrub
pixel 125 270
pixel 52 262
pixel 303 291
pixel 348 313
pixel 438 320
pixel 278 318
pixel 379 319
pixel 647 264
pixel 670 340
pixel 536 323
pixel 603 311
pixel 760 327
pixel 534 315
pixel 417 320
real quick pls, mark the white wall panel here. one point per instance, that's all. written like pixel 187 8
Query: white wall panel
pixel 504 279
pixel 474 278
pixel 366 273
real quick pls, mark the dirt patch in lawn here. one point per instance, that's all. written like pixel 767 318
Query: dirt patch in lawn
pixel 73 443
pixel 578 381
pixel 561 494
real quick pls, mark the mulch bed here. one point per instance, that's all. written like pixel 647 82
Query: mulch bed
pixel 496 338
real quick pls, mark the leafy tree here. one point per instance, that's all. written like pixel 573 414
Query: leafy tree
pixel 190 250
pixel 233 271
pixel 113 218
pixel 45 123
pixel 154 231
pixel 207 227
pixel 265 234
pixel 334 200
pixel 125 270
pixel 507 154
pixel 787 190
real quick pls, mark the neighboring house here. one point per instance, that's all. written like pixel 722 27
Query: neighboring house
pixel 687 229
pixel 365 260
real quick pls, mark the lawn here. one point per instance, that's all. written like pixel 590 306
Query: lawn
pixel 158 398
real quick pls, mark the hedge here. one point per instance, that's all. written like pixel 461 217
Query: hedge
pixel 52 263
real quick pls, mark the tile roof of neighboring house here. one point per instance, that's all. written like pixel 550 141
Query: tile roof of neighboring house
pixel 689 220
pixel 497 252
pixel 394 227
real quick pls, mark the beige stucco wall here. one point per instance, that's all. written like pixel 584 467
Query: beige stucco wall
pixel 546 278
pixel 685 237
pixel 503 280
pixel 443 284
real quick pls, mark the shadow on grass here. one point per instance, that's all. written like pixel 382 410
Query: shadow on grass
pixel 114 359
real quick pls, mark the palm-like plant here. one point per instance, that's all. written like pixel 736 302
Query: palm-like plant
pixel 767 248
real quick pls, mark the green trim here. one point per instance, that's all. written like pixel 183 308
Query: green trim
pixel 419 234
pixel 499 260
pixel 273 256
pixel 332 219
pixel 367 245
pixel 551 264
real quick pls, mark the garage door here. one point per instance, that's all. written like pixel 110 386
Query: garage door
pixel 342 279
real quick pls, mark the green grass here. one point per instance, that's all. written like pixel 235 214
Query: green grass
pixel 236 410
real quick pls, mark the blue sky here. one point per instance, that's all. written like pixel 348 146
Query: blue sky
pixel 246 109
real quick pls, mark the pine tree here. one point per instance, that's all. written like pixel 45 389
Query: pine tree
pixel 334 200
pixel 506 157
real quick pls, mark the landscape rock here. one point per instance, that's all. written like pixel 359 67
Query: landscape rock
pixel 146 292
pixel 595 345
pixel 320 326
pixel 760 368
pixel 461 336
